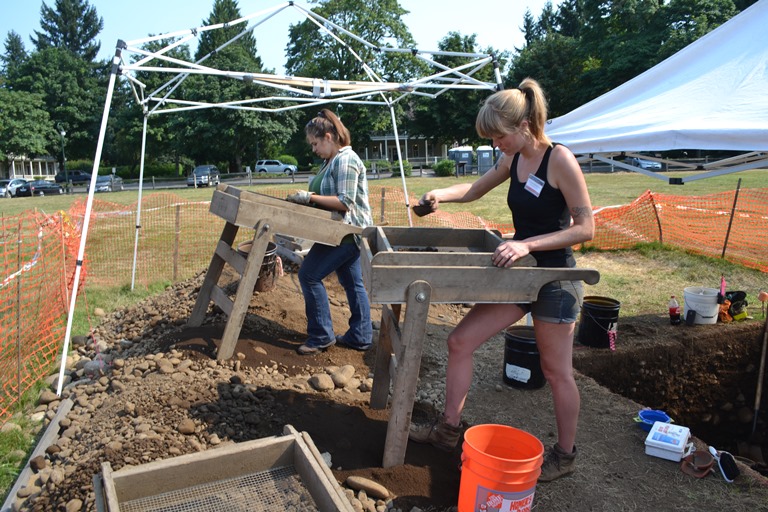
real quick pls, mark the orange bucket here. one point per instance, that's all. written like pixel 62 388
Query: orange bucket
pixel 499 469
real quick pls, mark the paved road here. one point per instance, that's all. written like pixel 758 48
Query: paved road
pixel 159 184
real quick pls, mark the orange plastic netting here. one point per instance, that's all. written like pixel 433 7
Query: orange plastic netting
pixel 177 238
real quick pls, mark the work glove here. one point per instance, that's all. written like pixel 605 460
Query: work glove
pixel 299 197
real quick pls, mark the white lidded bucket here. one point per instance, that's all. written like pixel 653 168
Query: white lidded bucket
pixel 703 301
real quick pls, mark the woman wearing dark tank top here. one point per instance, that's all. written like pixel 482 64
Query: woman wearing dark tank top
pixel 551 212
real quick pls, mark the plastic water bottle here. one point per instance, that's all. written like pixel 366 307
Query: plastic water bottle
pixel 674 311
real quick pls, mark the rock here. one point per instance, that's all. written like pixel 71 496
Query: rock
pixel 79 341
pixel 99 312
pixel 370 487
pixel 74 505
pixel 341 376
pixel 29 490
pixel 10 427
pixel 322 382
pixel 57 476
pixel 38 463
pixel 47 397
pixel 186 427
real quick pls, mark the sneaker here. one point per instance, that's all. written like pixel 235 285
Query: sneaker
pixel 557 463
pixel 342 343
pixel 306 349
pixel 439 434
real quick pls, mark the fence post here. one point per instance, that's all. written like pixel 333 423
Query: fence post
pixel 658 220
pixel 153 183
pixel 18 314
pixel 730 221
pixel 176 243
pixel 382 206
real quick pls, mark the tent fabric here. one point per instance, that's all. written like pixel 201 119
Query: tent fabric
pixel 712 94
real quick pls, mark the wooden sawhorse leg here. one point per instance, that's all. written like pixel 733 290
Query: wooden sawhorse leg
pixel 249 273
pixel 399 357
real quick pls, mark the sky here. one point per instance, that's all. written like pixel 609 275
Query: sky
pixel 497 24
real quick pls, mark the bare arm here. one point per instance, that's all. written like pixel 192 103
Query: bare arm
pixel 468 192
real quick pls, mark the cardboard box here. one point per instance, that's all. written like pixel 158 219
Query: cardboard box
pixel 667 441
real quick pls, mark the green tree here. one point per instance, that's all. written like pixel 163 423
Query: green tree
pixel 225 134
pixel 14 57
pixel 450 117
pixel 317 54
pixel 70 24
pixel 561 82
pixel 688 20
pixel 25 129
pixel 72 95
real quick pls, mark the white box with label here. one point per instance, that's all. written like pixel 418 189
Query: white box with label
pixel 667 441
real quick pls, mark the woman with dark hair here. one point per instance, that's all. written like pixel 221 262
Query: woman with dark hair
pixel 551 212
pixel 340 186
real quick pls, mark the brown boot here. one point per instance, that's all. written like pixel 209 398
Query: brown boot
pixel 439 434
pixel 557 463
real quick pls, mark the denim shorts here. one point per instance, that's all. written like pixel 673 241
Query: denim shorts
pixel 559 302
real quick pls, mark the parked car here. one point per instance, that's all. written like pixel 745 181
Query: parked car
pixel 109 183
pixel 204 176
pixel 74 176
pixel 644 164
pixel 275 166
pixel 39 188
pixel 8 187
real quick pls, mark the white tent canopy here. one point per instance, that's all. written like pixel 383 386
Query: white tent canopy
pixel 711 95
pixel 293 92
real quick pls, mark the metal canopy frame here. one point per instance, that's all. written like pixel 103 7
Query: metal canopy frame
pixel 744 162
pixel 297 92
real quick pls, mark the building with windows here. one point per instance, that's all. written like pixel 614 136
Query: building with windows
pixel 417 150
pixel 41 167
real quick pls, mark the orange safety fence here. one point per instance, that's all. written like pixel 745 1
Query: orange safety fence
pixel 177 237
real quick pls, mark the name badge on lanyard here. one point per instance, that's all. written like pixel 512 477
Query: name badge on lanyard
pixel 534 185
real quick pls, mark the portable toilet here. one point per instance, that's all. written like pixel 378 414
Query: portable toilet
pixel 485 159
pixel 463 156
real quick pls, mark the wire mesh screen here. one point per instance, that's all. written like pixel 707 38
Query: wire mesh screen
pixel 277 489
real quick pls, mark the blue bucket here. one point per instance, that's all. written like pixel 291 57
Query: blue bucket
pixel 647 417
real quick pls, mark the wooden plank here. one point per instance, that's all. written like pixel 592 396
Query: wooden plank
pixel 261 237
pixel 287 218
pixel 328 495
pixel 108 486
pixel 231 256
pixel 366 256
pixel 224 205
pixel 221 299
pixel 443 259
pixel 471 284
pixel 212 276
pixel 202 467
pixel 404 391
pixel 50 435
pixel 381 368
pixel 437 237
pixel 492 240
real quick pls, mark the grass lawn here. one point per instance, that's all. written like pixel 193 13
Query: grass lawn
pixel 605 189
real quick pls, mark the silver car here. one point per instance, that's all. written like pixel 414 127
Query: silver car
pixel 109 183
pixel 204 176
pixel 644 164
pixel 8 187
pixel 275 167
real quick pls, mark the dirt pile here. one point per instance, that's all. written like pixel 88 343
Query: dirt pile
pixel 156 392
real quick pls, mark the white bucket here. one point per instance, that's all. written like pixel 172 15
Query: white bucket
pixel 704 302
